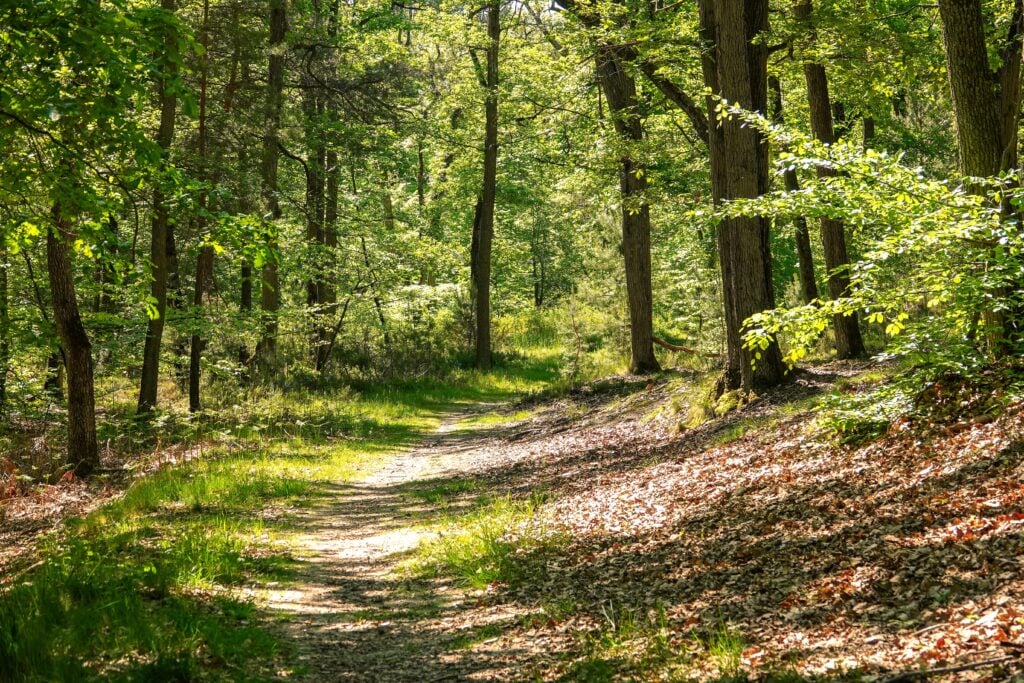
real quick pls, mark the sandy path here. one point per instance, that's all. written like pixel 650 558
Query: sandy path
pixel 350 617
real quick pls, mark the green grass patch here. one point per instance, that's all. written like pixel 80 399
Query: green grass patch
pixel 495 418
pixel 442 493
pixel 149 587
pixel 499 542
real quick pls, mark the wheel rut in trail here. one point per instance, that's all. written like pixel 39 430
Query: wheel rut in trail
pixel 350 617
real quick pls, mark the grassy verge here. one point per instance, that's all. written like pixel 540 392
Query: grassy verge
pixel 152 586
pixel 495 543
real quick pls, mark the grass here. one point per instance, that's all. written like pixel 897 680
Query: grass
pixel 491 544
pixel 152 586
pixel 495 418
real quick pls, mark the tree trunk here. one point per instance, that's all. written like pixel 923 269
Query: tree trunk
pixel 986 104
pixel 619 89
pixel 735 68
pixel 83 452
pixel 5 327
pixel 805 257
pixel 53 385
pixel 204 262
pixel 160 229
pixel 485 225
pixel 316 159
pixel 849 343
pixel 869 131
pixel 270 298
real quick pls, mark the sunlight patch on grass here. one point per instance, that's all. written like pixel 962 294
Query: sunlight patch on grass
pixel 493 544
pixel 149 587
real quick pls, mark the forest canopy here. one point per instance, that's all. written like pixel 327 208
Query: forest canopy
pixel 196 195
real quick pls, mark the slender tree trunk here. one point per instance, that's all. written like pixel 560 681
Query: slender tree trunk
pixel 735 68
pixel 316 159
pixel 160 230
pixel 485 224
pixel 849 343
pixel 805 257
pixel 330 292
pixel 270 299
pixel 5 327
pixel 619 89
pixel 83 451
pixel 204 262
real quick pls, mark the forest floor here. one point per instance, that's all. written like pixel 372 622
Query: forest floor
pixel 602 536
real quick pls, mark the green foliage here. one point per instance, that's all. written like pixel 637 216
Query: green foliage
pixel 937 264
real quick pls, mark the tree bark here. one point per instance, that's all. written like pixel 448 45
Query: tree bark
pixel 83 451
pixel 986 105
pixel 735 68
pixel 484 226
pixel 802 237
pixel 160 233
pixel 619 89
pixel 849 343
pixel 270 297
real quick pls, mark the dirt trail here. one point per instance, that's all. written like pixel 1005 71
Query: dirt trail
pixel 350 617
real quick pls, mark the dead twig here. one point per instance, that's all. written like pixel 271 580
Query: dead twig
pixel 924 673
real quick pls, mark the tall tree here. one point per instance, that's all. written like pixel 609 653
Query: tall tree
pixel 270 299
pixel 483 224
pixel 204 261
pixel 5 325
pixel 849 343
pixel 805 257
pixel 83 451
pixel 735 69
pixel 161 225
pixel 615 63
pixel 619 88
pixel 986 103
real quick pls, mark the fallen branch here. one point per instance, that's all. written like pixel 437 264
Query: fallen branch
pixel 924 673
pixel 682 349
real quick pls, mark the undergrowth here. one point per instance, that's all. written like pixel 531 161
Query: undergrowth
pixel 153 585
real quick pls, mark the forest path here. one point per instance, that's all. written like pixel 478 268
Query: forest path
pixel 350 615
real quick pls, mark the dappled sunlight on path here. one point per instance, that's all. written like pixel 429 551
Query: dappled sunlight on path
pixel 350 614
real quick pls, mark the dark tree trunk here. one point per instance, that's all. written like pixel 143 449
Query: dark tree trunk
pixel 270 298
pixel 53 385
pixel 849 343
pixel 159 241
pixel 869 131
pixel 986 104
pixel 83 451
pixel 735 68
pixel 245 295
pixel 805 257
pixel 619 89
pixel 484 226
